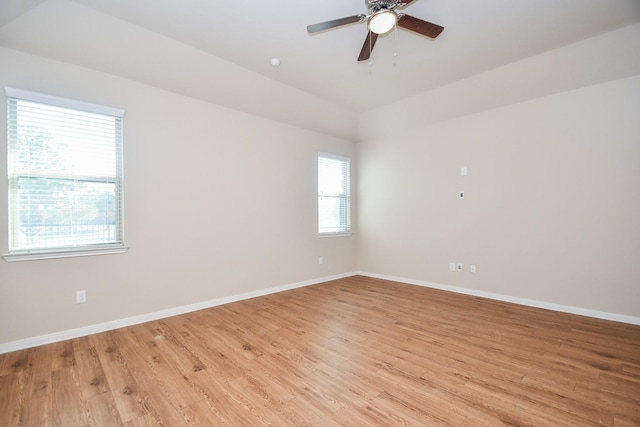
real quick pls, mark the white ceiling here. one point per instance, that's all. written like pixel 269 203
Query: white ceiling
pixel 478 36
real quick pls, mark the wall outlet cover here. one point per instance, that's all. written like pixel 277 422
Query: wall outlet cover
pixel 81 297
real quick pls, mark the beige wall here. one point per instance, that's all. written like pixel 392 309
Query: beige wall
pixel 217 203
pixel 551 210
pixel 221 203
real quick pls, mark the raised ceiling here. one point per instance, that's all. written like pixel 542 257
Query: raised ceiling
pixel 478 36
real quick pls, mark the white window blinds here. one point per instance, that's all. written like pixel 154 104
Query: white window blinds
pixel 334 206
pixel 65 174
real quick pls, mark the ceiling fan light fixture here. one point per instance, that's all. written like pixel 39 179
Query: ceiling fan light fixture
pixel 383 21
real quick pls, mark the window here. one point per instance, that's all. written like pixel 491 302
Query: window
pixel 65 177
pixel 334 207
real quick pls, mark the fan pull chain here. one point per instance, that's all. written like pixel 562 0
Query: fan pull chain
pixel 370 49
pixel 395 44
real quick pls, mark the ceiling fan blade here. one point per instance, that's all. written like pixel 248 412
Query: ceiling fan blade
pixel 368 45
pixel 419 26
pixel 314 28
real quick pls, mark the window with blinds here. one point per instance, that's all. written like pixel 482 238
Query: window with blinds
pixel 65 174
pixel 334 206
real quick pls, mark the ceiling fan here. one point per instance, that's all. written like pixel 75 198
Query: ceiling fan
pixel 381 18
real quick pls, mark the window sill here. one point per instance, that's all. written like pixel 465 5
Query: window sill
pixel 37 255
pixel 338 234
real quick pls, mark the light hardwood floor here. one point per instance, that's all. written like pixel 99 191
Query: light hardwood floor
pixel 353 352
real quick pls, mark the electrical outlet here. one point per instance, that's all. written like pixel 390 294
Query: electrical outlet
pixel 461 195
pixel 459 267
pixel 321 260
pixel 472 268
pixel 452 266
pixel 81 297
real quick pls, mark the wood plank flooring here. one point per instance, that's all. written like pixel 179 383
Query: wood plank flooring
pixel 352 352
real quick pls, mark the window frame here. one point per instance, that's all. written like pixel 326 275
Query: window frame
pixel 346 195
pixel 74 250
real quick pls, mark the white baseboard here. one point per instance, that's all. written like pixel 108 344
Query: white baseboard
pixel 622 318
pixel 134 320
